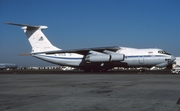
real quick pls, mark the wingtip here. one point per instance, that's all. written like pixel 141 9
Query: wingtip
pixel 24 54
pixel 7 22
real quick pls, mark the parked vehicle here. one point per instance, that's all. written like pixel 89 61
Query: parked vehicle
pixel 175 70
pixel 176 66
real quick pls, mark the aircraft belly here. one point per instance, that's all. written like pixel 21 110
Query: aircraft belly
pixel 60 60
pixel 70 62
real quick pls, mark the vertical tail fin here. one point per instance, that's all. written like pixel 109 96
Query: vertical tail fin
pixel 37 39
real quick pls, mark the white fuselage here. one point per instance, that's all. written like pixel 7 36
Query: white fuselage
pixel 133 57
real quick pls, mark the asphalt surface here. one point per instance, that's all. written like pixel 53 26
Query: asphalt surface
pixel 90 92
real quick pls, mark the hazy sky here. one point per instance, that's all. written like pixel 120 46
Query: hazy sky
pixel 89 23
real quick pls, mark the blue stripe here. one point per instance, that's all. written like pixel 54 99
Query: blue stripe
pixel 145 56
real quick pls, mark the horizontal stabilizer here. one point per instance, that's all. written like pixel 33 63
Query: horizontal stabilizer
pixel 24 25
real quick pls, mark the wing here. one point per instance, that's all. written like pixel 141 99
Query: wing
pixel 85 51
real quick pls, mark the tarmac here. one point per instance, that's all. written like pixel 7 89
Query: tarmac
pixel 90 92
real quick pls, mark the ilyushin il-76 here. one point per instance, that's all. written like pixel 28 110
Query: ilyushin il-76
pixel 93 59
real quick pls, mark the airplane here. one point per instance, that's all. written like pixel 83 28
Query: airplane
pixel 93 59
pixel 4 66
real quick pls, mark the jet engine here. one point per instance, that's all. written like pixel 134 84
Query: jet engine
pixel 104 57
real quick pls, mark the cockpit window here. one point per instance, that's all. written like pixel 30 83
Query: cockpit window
pixel 163 52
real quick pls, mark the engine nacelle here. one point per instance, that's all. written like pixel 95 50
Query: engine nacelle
pixel 117 57
pixel 104 57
